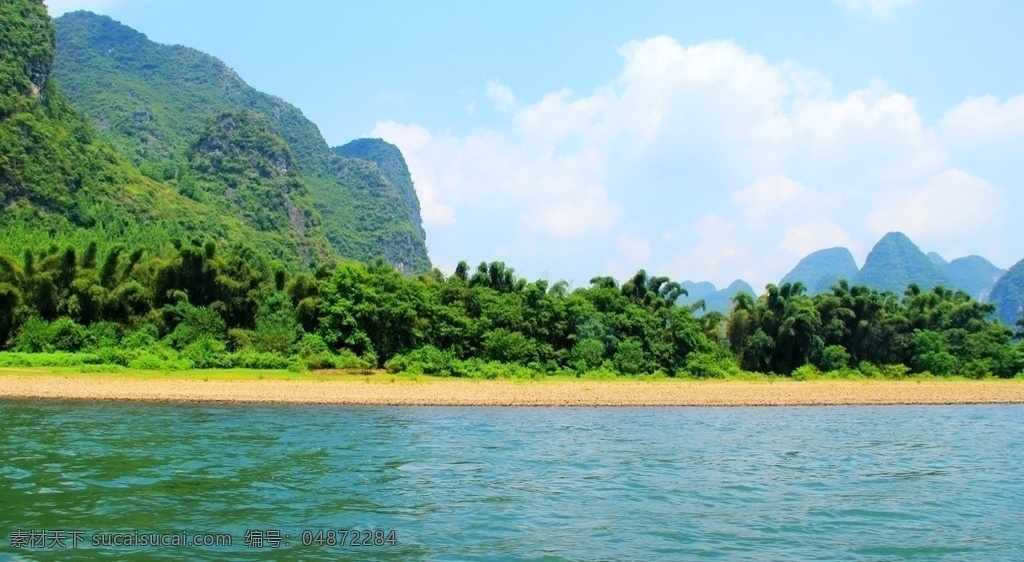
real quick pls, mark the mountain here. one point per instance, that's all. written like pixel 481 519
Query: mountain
pixel 714 300
pixel 937 259
pixel 155 102
pixel 1008 295
pixel 975 275
pixel 240 165
pixel 389 159
pixel 60 183
pixel 895 262
pixel 820 270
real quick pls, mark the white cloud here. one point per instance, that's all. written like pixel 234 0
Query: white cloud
pixel 634 253
pixel 814 235
pixel 984 120
pixel 501 96
pixel 950 207
pixel 664 146
pixel 879 9
pixel 869 138
pixel 411 140
pixel 766 195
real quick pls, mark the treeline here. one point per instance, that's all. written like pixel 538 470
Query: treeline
pixel 195 305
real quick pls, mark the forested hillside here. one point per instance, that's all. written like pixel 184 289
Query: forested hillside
pixel 820 270
pixel 154 102
pixel 389 159
pixel 60 183
pixel 1008 296
pixel 895 262
pixel 974 274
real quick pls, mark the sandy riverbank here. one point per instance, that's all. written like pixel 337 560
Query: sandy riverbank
pixel 454 392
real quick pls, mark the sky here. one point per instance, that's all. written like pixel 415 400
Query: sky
pixel 699 140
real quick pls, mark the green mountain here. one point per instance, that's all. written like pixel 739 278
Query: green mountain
pixel 239 163
pixel 1008 295
pixel 60 183
pixel 896 262
pixel 389 159
pixel 155 102
pixel 975 275
pixel 715 300
pixel 820 270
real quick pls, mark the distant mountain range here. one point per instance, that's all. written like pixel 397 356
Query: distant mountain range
pixel 894 263
pixel 715 300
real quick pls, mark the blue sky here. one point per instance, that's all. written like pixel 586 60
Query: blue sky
pixel 700 140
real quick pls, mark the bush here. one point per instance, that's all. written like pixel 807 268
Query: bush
pixel 143 338
pixel 509 347
pixel 196 322
pixel 250 358
pixel 205 352
pixel 33 336
pixel 896 371
pixel 100 335
pixel 239 339
pixel 834 358
pixel 806 373
pixel 587 354
pixel 54 359
pixel 629 357
pixel 977 369
pixel 703 365
pixel 935 362
pixel 427 360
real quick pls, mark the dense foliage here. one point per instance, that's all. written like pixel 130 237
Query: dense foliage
pixel 156 103
pixel 194 305
pixel 389 159
pixel 218 250
pixel 1008 294
pixel 974 274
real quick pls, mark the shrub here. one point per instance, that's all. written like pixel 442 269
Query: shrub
pixel 509 347
pixel 205 352
pixel 66 334
pixel 239 339
pixel 806 373
pixel 33 336
pixel 54 359
pixel 834 358
pixel 977 369
pixel 427 360
pixel 935 362
pixel 629 357
pixel 196 322
pixel 250 358
pixel 703 365
pixel 101 335
pixel 587 354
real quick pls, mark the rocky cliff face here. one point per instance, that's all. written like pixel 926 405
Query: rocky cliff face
pixel 389 159
pixel 154 102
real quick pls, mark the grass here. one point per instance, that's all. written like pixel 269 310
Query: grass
pixel 381 377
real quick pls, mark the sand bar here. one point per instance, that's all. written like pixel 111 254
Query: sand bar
pixel 456 392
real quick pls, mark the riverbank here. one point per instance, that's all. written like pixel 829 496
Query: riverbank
pixel 403 391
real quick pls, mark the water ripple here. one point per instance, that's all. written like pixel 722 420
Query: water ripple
pixel 866 483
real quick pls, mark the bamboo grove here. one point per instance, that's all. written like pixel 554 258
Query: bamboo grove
pixel 195 305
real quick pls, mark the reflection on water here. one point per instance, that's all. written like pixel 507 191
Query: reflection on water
pixel 486 483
